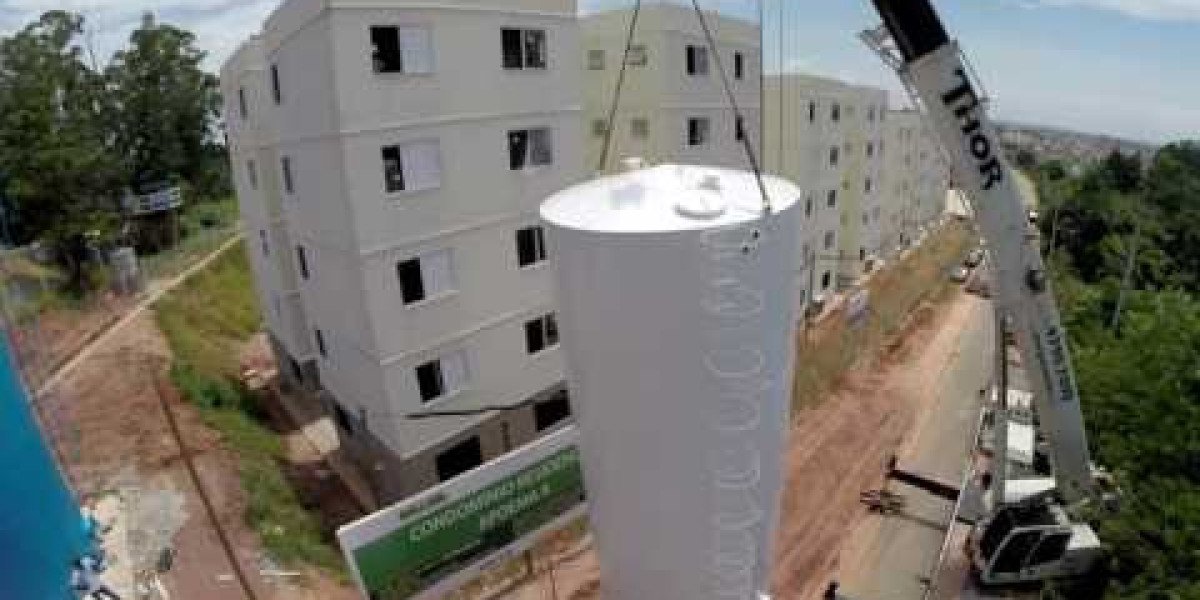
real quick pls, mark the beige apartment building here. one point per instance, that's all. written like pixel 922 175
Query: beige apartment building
pixel 389 158
pixel 673 107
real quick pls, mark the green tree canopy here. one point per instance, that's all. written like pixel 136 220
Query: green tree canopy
pixel 165 106
pixel 61 171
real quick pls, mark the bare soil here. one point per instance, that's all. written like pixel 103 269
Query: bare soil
pixel 109 430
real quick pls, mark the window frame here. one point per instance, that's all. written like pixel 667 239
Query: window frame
pixel 538 60
pixel 696 60
pixel 423 289
pixel 302 262
pixel 437 370
pixel 539 251
pixel 319 337
pixel 285 167
pixel 243 108
pixel 276 89
pixel 410 181
pixel 541 334
pixel 531 157
pixel 596 59
pixel 698 136
pixel 639 128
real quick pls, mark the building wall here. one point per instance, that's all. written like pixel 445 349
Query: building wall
pixel 915 183
pixel 662 92
pixel 334 117
pixel 806 120
pixel 253 164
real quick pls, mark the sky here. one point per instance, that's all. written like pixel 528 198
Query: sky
pixel 1129 68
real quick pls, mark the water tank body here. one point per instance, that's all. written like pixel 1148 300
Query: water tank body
pixel 677 307
pixel 41 530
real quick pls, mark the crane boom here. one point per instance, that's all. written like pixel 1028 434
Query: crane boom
pixel 933 68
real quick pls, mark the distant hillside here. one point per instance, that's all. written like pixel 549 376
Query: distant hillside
pixel 1048 143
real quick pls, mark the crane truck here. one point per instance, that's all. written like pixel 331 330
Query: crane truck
pixel 1032 532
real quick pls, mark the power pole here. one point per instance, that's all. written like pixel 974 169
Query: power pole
pixel 1127 279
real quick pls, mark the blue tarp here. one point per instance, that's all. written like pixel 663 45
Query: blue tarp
pixel 40 524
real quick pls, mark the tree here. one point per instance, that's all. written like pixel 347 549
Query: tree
pixel 63 179
pixel 165 106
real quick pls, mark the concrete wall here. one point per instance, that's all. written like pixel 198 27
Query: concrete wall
pixel 663 93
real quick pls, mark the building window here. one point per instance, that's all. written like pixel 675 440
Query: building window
pixel 812 112
pixel 739 65
pixel 411 166
pixel 459 459
pixel 595 60
pixel 870 149
pixel 285 164
pixel 302 262
pixel 829 239
pixel 831 199
pixel 825 281
pixel 548 413
pixel 639 128
pixel 426 276
pixel 252 174
pixel 275 93
pixel 697 131
pixel 442 376
pixel 833 156
pixel 529 147
pixel 808 205
pixel 867 185
pixel 242 109
pixel 638 57
pixel 739 128
pixel 531 246
pixel 320 337
pixel 541 333
pixel 835 112
pixel 401 49
pixel 599 127
pixel 523 48
pixel 862 252
pixel 866 217
pixel 697 60
pixel 871 113
pixel 262 242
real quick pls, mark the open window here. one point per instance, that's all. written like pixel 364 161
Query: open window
pixel 523 48
pixel 529 147
pixel 396 49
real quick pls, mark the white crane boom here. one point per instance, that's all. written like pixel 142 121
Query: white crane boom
pixel 934 69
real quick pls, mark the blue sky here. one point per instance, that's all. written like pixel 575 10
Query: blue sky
pixel 1123 67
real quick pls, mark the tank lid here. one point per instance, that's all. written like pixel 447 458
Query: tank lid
pixel 666 198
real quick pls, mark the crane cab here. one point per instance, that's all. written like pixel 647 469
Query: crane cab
pixel 1021 543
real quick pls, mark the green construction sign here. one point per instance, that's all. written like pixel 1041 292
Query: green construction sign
pixel 449 536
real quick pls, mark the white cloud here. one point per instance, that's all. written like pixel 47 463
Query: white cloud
pixel 1157 10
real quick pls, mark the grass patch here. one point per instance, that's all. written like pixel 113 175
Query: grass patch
pixel 205 320
pixel 895 292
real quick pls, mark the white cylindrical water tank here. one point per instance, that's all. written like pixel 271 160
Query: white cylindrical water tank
pixel 677 306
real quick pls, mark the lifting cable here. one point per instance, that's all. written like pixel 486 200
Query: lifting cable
pixel 612 111
pixel 751 156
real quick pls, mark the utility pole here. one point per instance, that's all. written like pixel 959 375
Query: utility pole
pixel 1127 280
